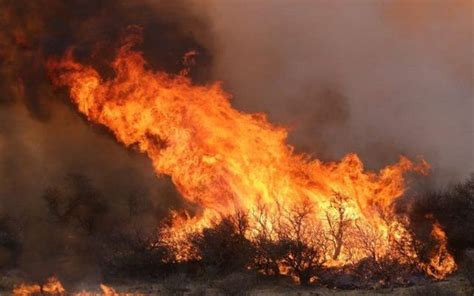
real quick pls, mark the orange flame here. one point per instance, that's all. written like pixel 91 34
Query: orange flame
pixel 108 291
pixel 53 287
pixel 26 290
pixel 224 160
pixel 441 262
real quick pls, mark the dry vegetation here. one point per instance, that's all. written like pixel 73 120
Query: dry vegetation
pixel 227 259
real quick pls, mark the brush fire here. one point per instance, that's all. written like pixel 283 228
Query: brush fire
pixel 250 202
pixel 227 162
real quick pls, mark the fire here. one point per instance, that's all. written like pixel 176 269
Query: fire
pixel 108 291
pixel 53 287
pixel 225 161
pixel 441 263
pixel 25 290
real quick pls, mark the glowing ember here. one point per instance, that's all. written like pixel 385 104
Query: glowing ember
pixel 226 161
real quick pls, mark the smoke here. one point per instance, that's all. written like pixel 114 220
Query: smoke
pixel 378 78
pixel 375 78
pixel 45 145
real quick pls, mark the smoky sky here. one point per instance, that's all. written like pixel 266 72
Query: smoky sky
pixel 380 78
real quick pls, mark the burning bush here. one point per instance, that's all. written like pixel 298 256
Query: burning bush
pixel 268 250
pixel 338 223
pixel 289 243
pixel 224 248
pixel 453 208
pixel 304 247
pixel 261 205
pixel 286 242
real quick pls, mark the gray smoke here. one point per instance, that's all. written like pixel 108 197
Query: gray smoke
pixel 379 78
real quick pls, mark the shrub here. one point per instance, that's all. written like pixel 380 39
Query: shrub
pixel 303 242
pixel 224 248
pixel 453 208
pixel 133 257
pixel 268 251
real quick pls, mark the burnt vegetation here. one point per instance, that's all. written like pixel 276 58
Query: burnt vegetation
pixel 119 245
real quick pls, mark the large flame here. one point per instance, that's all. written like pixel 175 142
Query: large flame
pixel 223 160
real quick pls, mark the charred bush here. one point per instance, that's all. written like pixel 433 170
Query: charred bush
pixel 224 248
